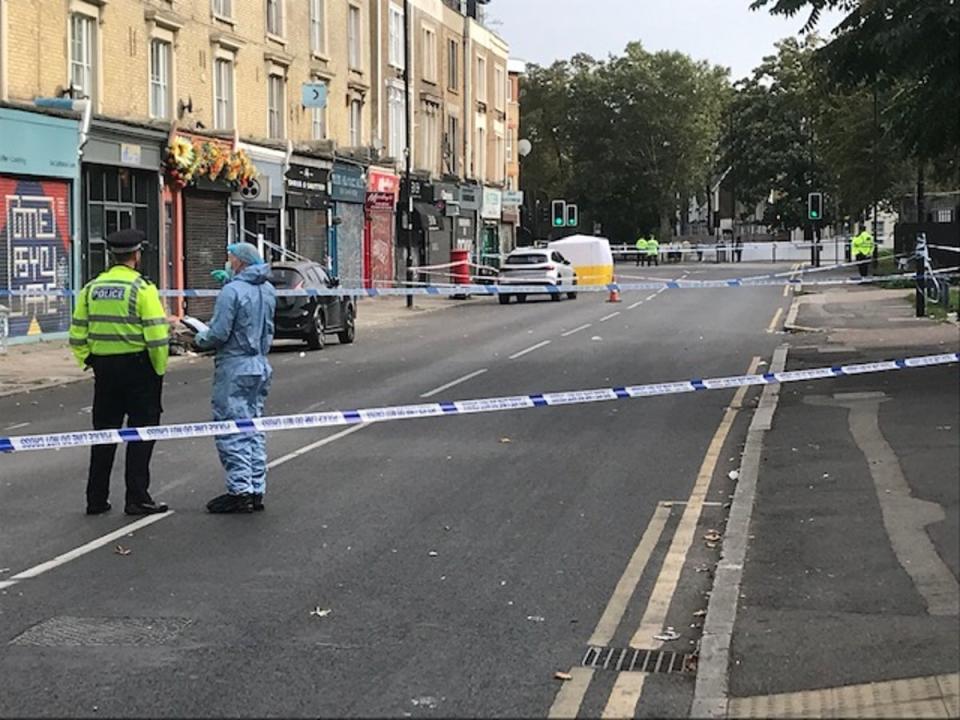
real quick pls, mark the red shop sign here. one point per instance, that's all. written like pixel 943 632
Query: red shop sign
pixel 379 181
pixel 381 200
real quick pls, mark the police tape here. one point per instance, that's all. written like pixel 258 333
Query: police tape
pixel 511 289
pixel 335 418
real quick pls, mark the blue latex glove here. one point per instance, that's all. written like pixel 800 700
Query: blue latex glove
pixel 221 276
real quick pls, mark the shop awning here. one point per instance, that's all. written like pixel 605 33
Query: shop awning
pixel 429 216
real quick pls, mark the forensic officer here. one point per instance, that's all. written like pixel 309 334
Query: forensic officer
pixel 120 330
pixel 241 331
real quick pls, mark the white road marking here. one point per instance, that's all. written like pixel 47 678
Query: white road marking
pixel 450 384
pixel 624 696
pixel 611 315
pixel 638 303
pixel 568 333
pixel 150 519
pixel 313 446
pixel 652 295
pixel 84 549
pixel 666 585
pixel 529 349
pixel 15 427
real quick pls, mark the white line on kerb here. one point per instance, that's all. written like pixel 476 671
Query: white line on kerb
pixel 611 315
pixel 568 333
pixel 529 349
pixel 450 384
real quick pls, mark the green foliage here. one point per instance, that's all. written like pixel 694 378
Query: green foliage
pixel 910 51
pixel 624 137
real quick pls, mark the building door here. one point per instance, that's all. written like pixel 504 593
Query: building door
pixel 204 245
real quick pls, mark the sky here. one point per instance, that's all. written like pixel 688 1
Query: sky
pixel 725 32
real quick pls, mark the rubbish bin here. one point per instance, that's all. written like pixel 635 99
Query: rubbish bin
pixel 460 268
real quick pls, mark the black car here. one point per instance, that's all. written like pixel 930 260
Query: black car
pixel 311 318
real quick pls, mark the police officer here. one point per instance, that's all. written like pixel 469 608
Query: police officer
pixel 653 251
pixel 862 248
pixel 641 250
pixel 120 330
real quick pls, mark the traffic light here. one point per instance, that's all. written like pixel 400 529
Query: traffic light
pixel 815 206
pixel 558 209
pixel 573 216
pixel 544 216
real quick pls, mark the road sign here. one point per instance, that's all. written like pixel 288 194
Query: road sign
pixel 314 94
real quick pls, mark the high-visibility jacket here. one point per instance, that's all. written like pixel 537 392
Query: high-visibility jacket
pixel 119 313
pixel 862 244
pixel 653 247
pixel 642 246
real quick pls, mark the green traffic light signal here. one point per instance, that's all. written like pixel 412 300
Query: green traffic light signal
pixel 558 222
pixel 814 214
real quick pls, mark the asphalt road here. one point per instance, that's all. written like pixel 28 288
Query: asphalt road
pixel 463 560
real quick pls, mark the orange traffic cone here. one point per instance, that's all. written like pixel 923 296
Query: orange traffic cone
pixel 614 292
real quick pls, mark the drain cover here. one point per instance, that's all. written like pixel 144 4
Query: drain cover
pixel 91 632
pixel 635 660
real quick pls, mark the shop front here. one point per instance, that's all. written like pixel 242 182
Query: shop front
pixel 511 201
pixel 491 211
pixel 257 208
pixel 379 237
pixel 121 190
pixel 307 185
pixel 201 172
pixel 348 190
pixel 465 228
pixel 39 181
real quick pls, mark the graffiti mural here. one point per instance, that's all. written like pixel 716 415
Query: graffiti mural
pixel 35 252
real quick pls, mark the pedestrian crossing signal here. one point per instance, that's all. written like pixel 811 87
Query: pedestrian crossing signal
pixel 815 206
pixel 558 210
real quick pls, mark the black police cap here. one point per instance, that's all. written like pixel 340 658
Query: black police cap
pixel 126 241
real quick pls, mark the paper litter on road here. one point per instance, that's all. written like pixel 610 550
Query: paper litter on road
pixel 667 635
pixel 562 676
pixel 121 550
pixel 734 474
pixel 320 612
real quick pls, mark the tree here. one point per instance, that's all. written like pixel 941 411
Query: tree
pixel 909 49
pixel 626 137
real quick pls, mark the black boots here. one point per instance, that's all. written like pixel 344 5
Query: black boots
pixel 143 508
pixel 228 503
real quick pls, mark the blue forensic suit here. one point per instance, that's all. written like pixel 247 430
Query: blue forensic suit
pixel 241 331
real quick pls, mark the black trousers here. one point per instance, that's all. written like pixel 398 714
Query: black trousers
pixel 864 266
pixel 125 386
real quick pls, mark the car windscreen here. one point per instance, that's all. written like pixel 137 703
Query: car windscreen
pixel 286 278
pixel 527 259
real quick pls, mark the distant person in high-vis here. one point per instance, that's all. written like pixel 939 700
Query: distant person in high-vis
pixel 641 250
pixel 120 331
pixel 241 331
pixel 862 248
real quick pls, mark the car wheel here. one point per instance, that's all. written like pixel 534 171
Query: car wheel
pixel 315 335
pixel 521 298
pixel 349 332
pixel 572 295
pixel 504 299
pixel 555 294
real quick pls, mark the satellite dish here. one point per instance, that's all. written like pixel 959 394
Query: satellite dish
pixel 524 147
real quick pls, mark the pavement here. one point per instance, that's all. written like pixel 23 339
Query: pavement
pixel 554 562
pixel 848 600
